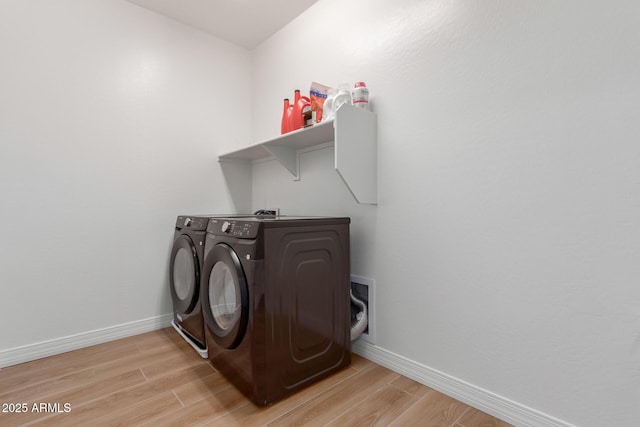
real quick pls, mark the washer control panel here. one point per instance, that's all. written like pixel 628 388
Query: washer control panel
pixel 194 223
pixel 234 228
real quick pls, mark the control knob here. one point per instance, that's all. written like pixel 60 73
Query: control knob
pixel 226 227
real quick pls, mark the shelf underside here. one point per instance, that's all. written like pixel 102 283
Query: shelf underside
pixel 296 140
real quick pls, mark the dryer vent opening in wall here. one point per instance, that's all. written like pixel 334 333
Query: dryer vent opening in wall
pixel 364 290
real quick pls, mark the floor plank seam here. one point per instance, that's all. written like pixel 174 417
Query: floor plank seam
pixel 142 372
pixel 356 404
pixel 418 400
pixel 181 403
pixel 457 421
pixel 415 394
pixel 213 420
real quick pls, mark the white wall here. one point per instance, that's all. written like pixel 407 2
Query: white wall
pixel 111 118
pixel 505 244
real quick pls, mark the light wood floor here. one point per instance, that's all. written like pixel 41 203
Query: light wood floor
pixel 156 379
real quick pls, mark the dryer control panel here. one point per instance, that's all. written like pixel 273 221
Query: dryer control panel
pixel 192 222
pixel 234 228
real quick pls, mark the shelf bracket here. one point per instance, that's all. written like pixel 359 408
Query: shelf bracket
pixel 288 157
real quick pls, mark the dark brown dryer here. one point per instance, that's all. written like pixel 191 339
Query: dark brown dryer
pixel 275 300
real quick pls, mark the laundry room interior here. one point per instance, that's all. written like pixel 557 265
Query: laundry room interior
pixel 500 248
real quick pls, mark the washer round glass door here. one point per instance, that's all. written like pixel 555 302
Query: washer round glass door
pixel 184 274
pixel 225 296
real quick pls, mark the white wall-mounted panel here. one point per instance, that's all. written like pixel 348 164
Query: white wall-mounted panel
pixel 357 152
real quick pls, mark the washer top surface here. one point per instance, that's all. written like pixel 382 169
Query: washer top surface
pixel 249 226
pixel 283 219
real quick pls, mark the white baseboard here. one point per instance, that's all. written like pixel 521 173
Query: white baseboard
pixel 26 353
pixel 484 400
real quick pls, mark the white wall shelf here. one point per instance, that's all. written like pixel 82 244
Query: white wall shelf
pixel 353 131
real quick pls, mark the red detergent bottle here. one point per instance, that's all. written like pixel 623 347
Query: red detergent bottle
pixel 286 125
pixel 300 105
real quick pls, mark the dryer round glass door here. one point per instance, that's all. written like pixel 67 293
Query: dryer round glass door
pixel 225 301
pixel 224 298
pixel 184 275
